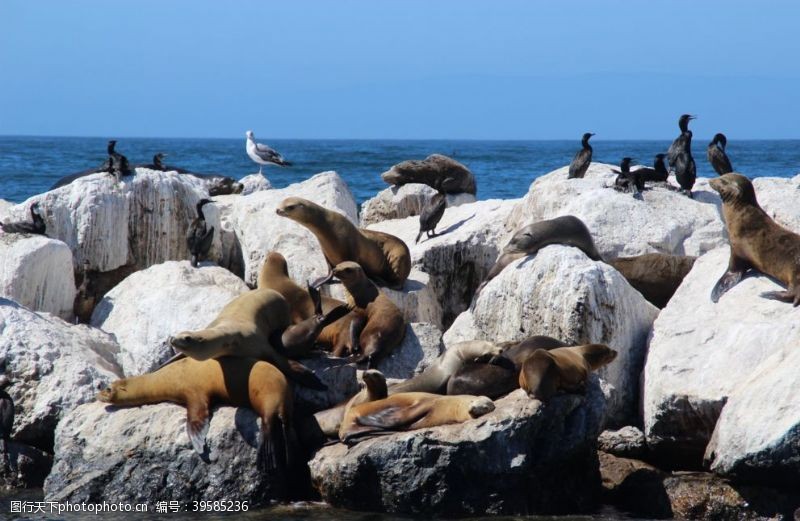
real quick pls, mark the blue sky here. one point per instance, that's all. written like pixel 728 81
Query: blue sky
pixel 399 69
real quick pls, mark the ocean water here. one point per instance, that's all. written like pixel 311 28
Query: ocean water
pixel 503 169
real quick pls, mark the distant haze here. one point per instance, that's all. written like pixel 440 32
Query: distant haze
pixel 399 69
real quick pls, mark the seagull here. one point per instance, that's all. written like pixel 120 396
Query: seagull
pixel 262 154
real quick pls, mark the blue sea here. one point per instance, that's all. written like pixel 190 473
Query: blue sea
pixel 503 169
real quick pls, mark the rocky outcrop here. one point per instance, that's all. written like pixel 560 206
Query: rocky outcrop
pixel 562 293
pixel 53 367
pixel 521 458
pixel 27 466
pixel 778 197
pixel 254 183
pixel 140 221
pixel 421 346
pixel 665 221
pixel 143 455
pixel 627 442
pixel 162 300
pixel 399 202
pixel 700 353
pixel 37 272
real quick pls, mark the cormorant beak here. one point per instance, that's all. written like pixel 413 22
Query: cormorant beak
pixel 692 117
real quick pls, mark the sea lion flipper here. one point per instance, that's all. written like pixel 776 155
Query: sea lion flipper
pixel 304 376
pixel 394 417
pixel 197 422
pixel 174 358
pixel 335 314
pixel 792 297
pixel 726 282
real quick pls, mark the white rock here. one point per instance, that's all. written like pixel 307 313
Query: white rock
pixel 254 183
pixel 399 202
pixel 231 248
pixel 4 207
pixel 700 353
pixel 53 367
pixel 421 346
pixel 162 300
pixel 37 272
pixel 457 261
pixel 260 230
pixel 778 197
pixel 664 222
pixel 757 436
pixel 141 221
pixel 562 293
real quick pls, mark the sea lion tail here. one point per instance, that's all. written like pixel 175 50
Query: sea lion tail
pixel 197 430
pixel 305 376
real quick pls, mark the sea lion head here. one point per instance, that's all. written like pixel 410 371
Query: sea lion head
pixel 480 405
pixel 275 263
pixel 734 188
pixel 348 272
pixel 598 355
pixel 375 382
pixel 297 209
pixel 528 239
pixel 204 344
pixel 116 393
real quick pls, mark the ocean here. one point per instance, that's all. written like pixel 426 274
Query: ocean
pixel 503 169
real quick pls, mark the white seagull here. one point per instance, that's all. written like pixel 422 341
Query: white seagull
pixel 262 154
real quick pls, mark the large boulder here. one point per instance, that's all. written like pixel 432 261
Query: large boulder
pixel 254 183
pixel 456 261
pixel 162 300
pixel 522 458
pixel 260 230
pixel 52 366
pixel 399 202
pixel 140 221
pixel 27 466
pixel 421 346
pixel 757 436
pixel 143 455
pixel 665 221
pixel 562 293
pixel 37 272
pixel 700 353
pixel 778 196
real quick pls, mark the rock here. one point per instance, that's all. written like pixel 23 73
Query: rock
pixel 457 261
pixel 421 346
pixel 260 230
pixel 337 374
pixel 231 249
pixel 162 300
pixel 143 455
pixel 562 293
pixel 53 367
pixel 436 170
pixel 778 197
pixel 4 207
pixel 627 442
pixel 254 183
pixel 141 221
pixel 27 466
pixel 37 272
pixel 520 458
pixel 634 486
pixel 757 436
pixel 665 221
pixel 697 359
pixel 399 202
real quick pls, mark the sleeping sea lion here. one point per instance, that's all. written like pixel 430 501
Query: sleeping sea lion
pixel 384 258
pixel 757 241
pixel 562 369
pixel 437 171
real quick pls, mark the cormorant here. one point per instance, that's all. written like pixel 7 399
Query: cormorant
pixel 656 174
pixel 685 168
pixel 682 142
pixel 717 156
pixel 580 163
pixel 6 419
pixel 627 180
pixel 262 154
pixel 38 225
pixel 157 164
pixel 119 163
pixel 200 235
pixel 431 214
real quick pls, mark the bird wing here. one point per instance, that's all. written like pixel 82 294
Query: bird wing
pixel 268 154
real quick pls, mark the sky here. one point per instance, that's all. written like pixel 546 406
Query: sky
pixel 410 69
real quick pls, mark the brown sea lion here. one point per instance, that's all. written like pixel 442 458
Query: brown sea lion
pixel 757 241
pixel 655 275
pixel 249 326
pixel 437 171
pixel 562 369
pixel 410 411
pixel 241 382
pixel 567 230
pixel 384 258
pixel 378 325
pixel 373 388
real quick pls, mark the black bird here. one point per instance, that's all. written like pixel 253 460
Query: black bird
pixel 717 156
pixel 580 163
pixel 685 169
pixel 682 142
pixel 627 180
pixel 157 164
pixel 656 174
pixel 200 235
pixel 6 419
pixel 431 214
pixel 119 163
pixel 38 225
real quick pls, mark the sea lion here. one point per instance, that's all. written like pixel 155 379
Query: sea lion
pixel 199 236
pixel 500 375
pixel 378 325
pixel 373 384
pixel 242 382
pixel 655 275
pixel 583 158
pixel 249 326
pixel 410 411
pixel 437 171
pixel 36 227
pixel 544 373
pixel 384 257
pixel 567 230
pixel 431 214
pixel 757 241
